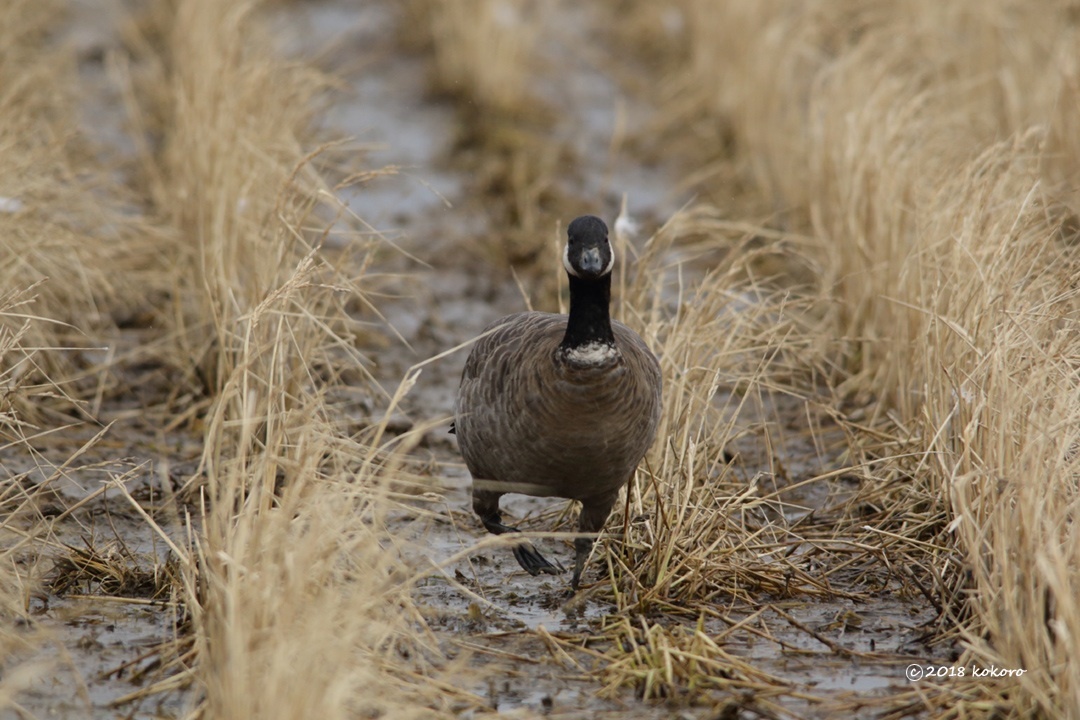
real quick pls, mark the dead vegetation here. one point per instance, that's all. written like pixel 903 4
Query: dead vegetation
pixel 934 181
pixel 903 323
pixel 111 569
pixel 485 55
pixel 254 323
pixel 59 290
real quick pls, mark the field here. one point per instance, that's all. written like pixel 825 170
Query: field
pixel 244 247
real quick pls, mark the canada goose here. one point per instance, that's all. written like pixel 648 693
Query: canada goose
pixel 559 405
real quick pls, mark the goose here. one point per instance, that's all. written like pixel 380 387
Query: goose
pixel 559 405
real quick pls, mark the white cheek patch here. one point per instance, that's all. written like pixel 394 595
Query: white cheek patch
pixel 594 353
pixel 611 263
pixel 566 261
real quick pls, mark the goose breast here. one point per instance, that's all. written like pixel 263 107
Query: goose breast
pixel 527 415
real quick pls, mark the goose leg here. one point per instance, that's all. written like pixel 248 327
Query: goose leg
pixel 594 513
pixel 582 548
pixel 486 505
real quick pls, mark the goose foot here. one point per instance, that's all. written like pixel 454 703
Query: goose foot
pixel 533 562
pixel 528 557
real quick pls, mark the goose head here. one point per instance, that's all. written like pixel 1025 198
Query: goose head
pixel 588 255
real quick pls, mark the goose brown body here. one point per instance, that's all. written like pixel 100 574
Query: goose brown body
pixel 559 405
pixel 529 416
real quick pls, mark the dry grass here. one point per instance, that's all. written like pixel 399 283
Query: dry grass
pixel 298 603
pixel 48 208
pixel 661 663
pixel 298 607
pixel 731 350
pixel 16 534
pixel 483 49
pixel 489 58
pixel 54 285
pixel 928 148
pixel 916 332
pixel 233 180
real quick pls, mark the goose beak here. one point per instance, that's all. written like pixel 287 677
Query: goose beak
pixel 591 262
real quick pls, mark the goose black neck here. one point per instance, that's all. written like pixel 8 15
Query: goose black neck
pixel 590 318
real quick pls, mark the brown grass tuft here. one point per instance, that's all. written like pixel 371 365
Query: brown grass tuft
pixel 488 58
pixel 899 337
pixel 733 352
pixel 61 232
pixel 928 149
pixel 109 569
pixel 299 606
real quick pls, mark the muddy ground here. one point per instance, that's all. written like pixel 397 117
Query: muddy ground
pixel 106 651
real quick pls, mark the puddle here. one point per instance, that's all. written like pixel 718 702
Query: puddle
pixel 96 650
pixel 101 653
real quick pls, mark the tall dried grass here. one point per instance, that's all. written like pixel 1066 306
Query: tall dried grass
pixel 488 57
pixel 229 167
pixel 300 608
pixel 60 232
pixel 18 531
pixel 929 149
pixel 298 600
pixel 70 269
pixel 736 356
pixel 485 50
